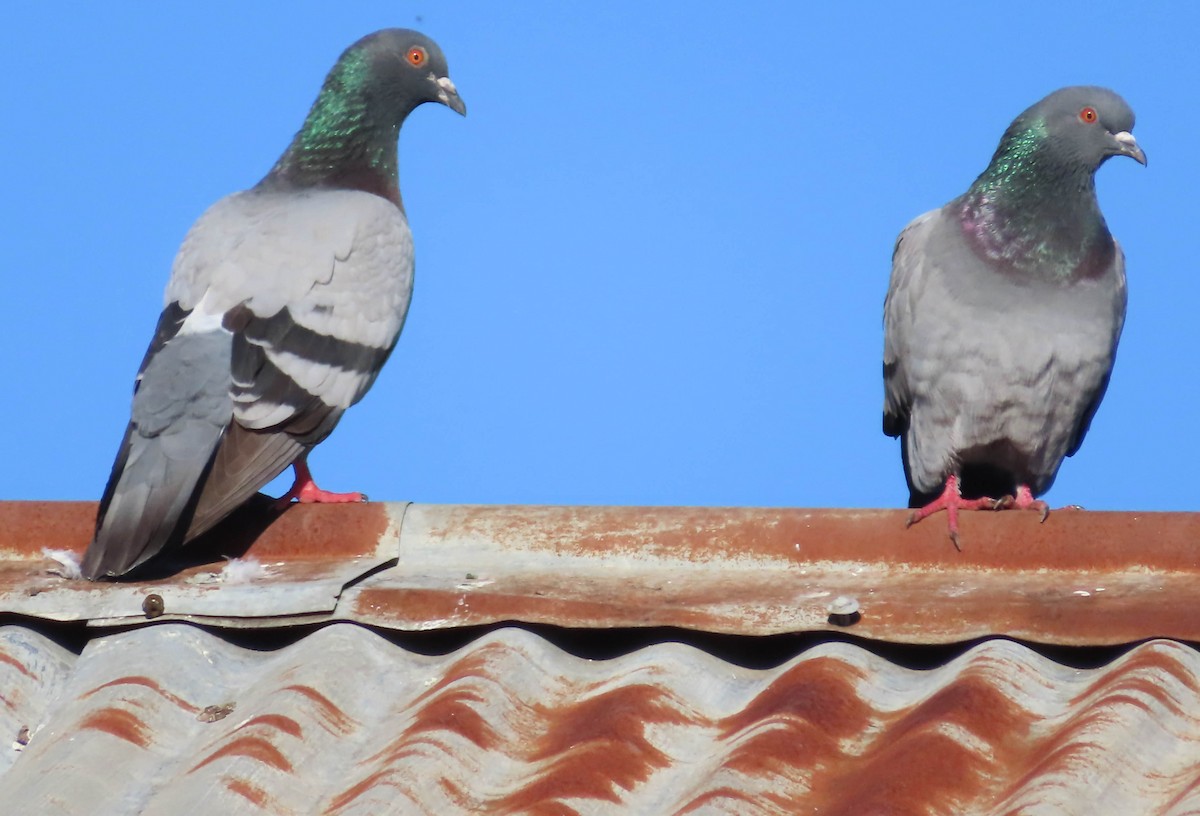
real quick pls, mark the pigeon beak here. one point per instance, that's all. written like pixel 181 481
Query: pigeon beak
pixel 447 94
pixel 1128 146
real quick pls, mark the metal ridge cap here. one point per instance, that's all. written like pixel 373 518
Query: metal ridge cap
pixel 1081 578
pixel 1087 539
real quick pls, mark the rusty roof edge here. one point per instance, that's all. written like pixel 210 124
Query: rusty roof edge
pixel 294 573
pixel 1081 578
pixel 387 550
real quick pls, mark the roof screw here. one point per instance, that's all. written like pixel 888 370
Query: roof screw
pixel 153 606
pixel 844 611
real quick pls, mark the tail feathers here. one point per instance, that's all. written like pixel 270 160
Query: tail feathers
pixel 181 409
pixel 152 497
pixel 246 461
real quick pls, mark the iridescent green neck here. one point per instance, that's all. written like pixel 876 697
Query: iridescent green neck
pixel 1035 211
pixel 343 143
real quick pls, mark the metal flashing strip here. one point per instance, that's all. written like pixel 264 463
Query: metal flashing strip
pixel 1081 578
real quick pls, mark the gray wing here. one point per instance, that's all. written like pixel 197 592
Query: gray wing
pixel 315 302
pixel 898 305
pixel 181 406
pixel 1119 303
pixel 308 293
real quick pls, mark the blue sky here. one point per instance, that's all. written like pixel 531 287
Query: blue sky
pixel 650 262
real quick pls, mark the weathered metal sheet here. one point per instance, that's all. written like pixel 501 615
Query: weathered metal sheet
pixel 304 560
pixel 33 672
pixel 1081 578
pixel 170 719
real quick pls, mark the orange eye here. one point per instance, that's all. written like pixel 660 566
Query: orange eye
pixel 1088 115
pixel 416 56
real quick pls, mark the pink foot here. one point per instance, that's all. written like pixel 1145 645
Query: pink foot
pixel 1024 500
pixel 305 490
pixel 951 501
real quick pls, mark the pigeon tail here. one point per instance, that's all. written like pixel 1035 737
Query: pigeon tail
pixel 181 408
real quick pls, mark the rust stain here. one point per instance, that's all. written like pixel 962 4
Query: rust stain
pixel 452 711
pixel 1083 540
pixel 551 809
pixel 1132 684
pixel 595 745
pixel 619 715
pixel 1184 793
pixel 1060 753
pixel 335 720
pixel 384 778
pixel 724 793
pixel 459 795
pixel 255 748
pixel 310 531
pixel 1137 668
pixel 352 793
pixel 277 722
pixel 28 526
pixel 975 702
pixel 248 791
pixel 806 711
pixel 474 664
pixel 9 660
pixel 145 682
pixel 119 723
pixel 465 609
pixel 920 768
pixel 924 773
pixel 448 707
pixel 323 532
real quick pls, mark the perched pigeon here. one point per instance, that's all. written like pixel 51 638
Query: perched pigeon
pixel 283 304
pixel 1003 314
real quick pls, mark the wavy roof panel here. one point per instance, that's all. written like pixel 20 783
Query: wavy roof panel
pixel 170 719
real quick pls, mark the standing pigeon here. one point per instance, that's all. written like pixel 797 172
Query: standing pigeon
pixel 283 304
pixel 1003 314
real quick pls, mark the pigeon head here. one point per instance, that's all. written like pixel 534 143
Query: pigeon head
pixel 1078 127
pixel 349 137
pixel 1033 210
pixel 404 68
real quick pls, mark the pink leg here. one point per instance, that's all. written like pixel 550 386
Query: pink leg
pixel 305 490
pixel 951 501
pixel 1024 500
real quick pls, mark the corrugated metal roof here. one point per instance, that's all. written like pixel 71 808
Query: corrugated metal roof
pixel 1082 578
pixel 170 719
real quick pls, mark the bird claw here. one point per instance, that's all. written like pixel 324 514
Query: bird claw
pixel 1024 500
pixel 305 491
pixel 951 501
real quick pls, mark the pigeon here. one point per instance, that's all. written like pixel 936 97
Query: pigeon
pixel 284 302
pixel 1003 314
